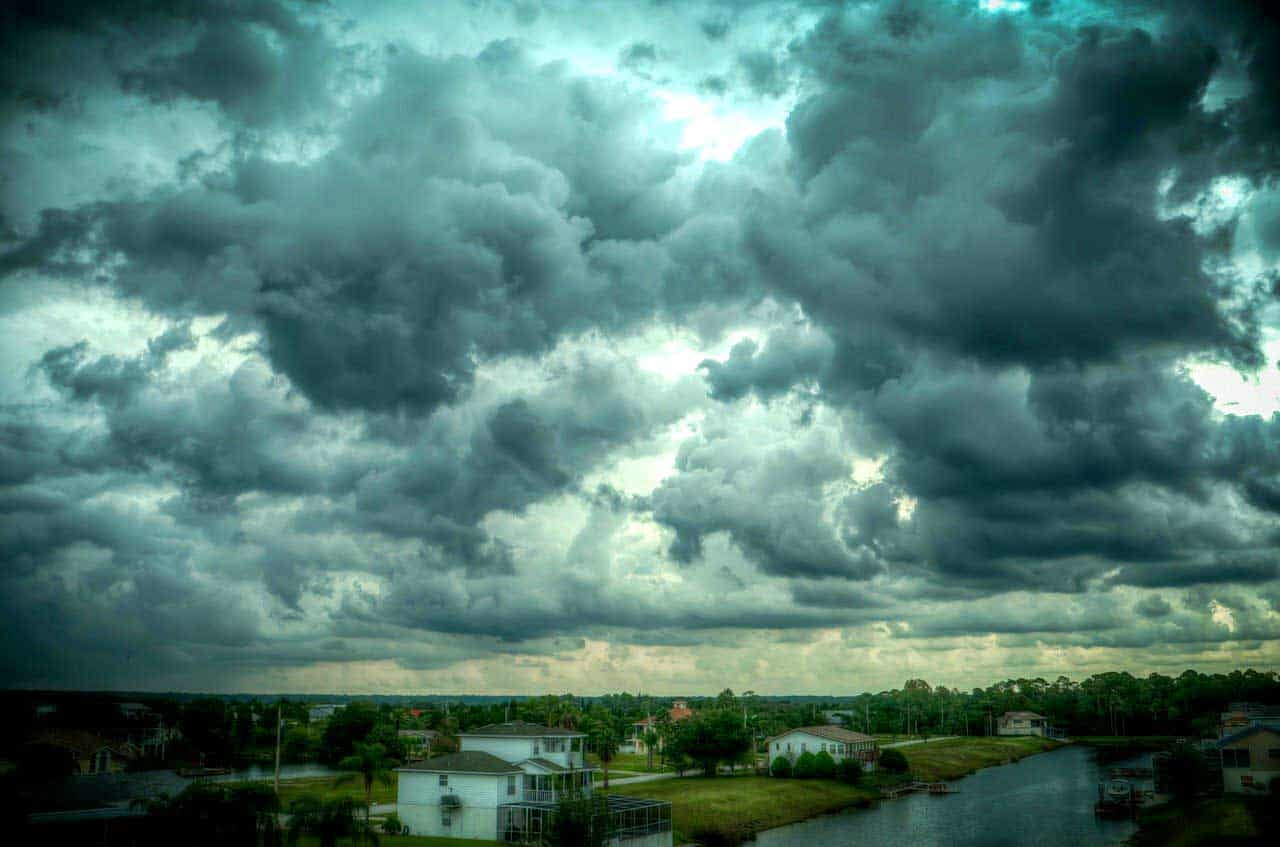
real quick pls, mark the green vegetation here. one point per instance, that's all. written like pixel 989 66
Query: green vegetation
pixel 746 804
pixel 952 758
pixel 1216 822
pixel 323 788
pixel 412 841
pixel 633 762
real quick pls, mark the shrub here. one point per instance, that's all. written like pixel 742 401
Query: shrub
pixel 806 766
pixel 781 767
pixel 892 761
pixel 850 771
pixel 391 824
pixel 824 767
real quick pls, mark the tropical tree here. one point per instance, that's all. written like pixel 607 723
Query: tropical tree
pixel 208 814
pixel 651 739
pixel 329 820
pixel 606 746
pixel 711 737
pixel 371 764
pixel 580 821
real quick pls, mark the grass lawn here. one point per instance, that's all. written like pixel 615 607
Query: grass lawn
pixel 637 762
pixel 956 757
pixel 1237 821
pixel 746 803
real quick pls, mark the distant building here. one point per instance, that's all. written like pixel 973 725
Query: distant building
pixel 1025 723
pixel 322 712
pixel 505 785
pixel 418 742
pixel 83 752
pixel 1251 760
pixel 679 711
pixel 835 741
pixel 134 711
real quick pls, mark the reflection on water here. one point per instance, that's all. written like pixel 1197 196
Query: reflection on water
pixel 298 771
pixel 1042 800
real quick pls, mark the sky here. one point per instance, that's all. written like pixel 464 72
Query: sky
pixel 518 347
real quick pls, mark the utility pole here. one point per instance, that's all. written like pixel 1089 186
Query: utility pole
pixel 279 725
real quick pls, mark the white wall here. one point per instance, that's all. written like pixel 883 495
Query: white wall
pixel 519 749
pixel 418 803
pixel 803 742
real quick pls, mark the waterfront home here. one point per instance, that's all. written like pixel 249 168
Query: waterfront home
pixel 505 783
pixel 1251 760
pixel 80 751
pixel 837 742
pixel 679 711
pixel 322 712
pixel 1026 723
pixel 1240 716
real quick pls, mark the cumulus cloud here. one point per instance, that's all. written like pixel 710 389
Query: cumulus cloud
pixel 424 346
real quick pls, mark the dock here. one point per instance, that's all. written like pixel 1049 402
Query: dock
pixel 911 787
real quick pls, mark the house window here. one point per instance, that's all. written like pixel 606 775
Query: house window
pixel 804 746
pixel 788 746
pixel 446 817
pixel 444 779
pixel 1235 758
pixel 1273 753
pixel 511 785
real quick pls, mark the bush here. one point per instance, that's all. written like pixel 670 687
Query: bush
pixel 824 767
pixel 850 771
pixel 806 766
pixel 781 767
pixel 892 761
pixel 723 835
pixel 391 824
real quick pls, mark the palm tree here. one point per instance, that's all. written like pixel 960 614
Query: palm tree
pixel 650 741
pixel 329 820
pixel 371 763
pixel 606 744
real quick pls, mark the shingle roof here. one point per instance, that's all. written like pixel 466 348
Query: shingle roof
pixel 468 761
pixel 549 765
pixel 521 729
pixel 831 733
pixel 1247 731
pixel 1023 715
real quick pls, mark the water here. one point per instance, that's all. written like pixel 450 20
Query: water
pixel 1046 800
pixel 304 770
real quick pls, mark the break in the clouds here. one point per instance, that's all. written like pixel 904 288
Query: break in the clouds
pixel 543 346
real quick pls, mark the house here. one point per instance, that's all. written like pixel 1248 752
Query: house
pixel 83 752
pixel 1024 723
pixel 836 741
pixel 417 742
pixel 133 711
pixel 1251 760
pixel 679 711
pixel 1239 716
pixel 322 712
pixel 505 783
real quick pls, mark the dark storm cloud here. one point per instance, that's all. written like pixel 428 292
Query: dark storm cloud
pixel 970 246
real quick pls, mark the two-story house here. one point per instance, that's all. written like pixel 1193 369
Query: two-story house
pixel 505 783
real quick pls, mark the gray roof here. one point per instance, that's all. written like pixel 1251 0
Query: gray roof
pixel 831 733
pixel 468 761
pixel 547 764
pixel 521 729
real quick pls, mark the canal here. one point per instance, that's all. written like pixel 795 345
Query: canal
pixel 1045 800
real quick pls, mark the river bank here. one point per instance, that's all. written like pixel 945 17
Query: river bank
pixel 734 807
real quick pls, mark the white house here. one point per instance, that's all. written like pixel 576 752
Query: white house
pixel 504 784
pixel 838 742
pixel 1023 723
pixel 1251 760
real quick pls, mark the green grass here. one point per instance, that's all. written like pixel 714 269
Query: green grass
pixel 637 762
pixel 750 803
pixel 939 760
pixel 1219 821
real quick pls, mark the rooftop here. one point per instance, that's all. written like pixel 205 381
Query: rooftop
pixel 468 761
pixel 831 733
pixel 521 729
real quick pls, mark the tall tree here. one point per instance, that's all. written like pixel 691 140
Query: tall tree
pixel 371 764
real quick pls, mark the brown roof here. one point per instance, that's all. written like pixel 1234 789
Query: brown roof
pixel 831 733
pixel 79 742
pixel 1022 715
